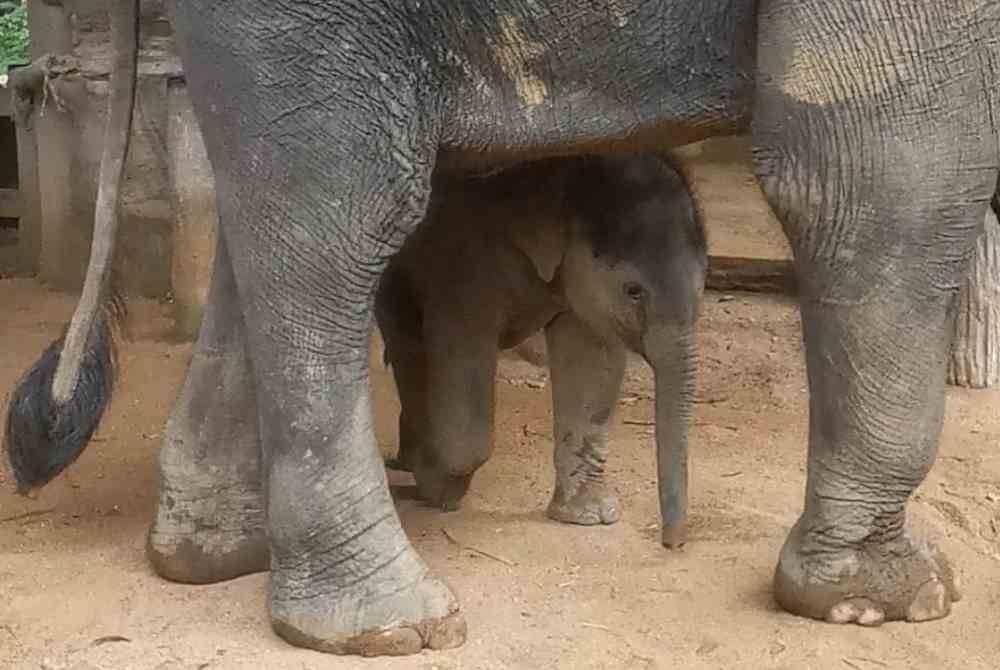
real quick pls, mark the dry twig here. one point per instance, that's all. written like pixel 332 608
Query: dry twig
pixel 27 515
pixel 598 626
pixel 486 554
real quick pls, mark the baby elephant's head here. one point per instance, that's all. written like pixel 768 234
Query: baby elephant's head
pixel 629 255
pixel 635 260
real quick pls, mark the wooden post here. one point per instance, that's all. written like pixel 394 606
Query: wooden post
pixel 29 226
pixel 975 354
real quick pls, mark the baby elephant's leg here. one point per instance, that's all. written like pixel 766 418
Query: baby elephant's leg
pixel 409 369
pixel 461 364
pixel 587 376
pixel 399 320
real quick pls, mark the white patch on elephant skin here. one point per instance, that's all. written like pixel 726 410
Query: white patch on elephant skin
pixel 192 508
pixel 619 15
pixel 851 67
pixel 513 52
pixel 461 63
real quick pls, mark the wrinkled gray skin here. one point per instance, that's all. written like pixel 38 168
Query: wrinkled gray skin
pixel 873 141
pixel 606 254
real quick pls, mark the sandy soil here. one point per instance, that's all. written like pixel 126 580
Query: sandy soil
pixel 76 591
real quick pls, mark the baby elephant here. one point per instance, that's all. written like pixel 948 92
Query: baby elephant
pixel 604 253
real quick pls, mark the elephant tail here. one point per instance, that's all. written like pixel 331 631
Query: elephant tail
pixel 58 404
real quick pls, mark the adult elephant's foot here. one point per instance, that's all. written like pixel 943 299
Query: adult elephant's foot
pixel 906 578
pixel 439 488
pixel 209 528
pixel 202 542
pixel 591 504
pixel 355 621
pixel 210 520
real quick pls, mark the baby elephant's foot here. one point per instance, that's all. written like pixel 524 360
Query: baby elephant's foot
pixel 440 489
pixel 906 579
pixel 592 504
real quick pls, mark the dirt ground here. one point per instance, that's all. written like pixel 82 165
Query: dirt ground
pixel 76 591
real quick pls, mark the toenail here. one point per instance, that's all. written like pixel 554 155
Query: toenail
pixel 871 617
pixel 842 612
pixel 931 602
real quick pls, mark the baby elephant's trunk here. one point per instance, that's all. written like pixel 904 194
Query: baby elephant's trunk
pixel 670 352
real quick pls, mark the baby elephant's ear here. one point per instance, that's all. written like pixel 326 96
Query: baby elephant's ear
pixel 544 244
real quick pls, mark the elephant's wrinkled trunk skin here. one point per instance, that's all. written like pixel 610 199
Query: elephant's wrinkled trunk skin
pixel 670 352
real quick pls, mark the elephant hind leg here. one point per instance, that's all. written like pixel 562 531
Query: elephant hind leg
pixel 209 522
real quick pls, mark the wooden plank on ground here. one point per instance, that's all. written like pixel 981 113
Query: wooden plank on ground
pixel 763 275
pixel 10 203
pixel 747 250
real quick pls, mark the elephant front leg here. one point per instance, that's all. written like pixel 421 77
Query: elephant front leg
pixel 209 522
pixel 587 375
pixel 309 219
pixel 881 185
pixel 344 576
pixel 876 407
pixel 461 360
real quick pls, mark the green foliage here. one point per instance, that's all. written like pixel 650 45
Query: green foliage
pixel 14 38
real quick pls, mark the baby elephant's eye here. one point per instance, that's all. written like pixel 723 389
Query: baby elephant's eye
pixel 633 291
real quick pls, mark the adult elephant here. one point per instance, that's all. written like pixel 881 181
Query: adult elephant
pixel 874 143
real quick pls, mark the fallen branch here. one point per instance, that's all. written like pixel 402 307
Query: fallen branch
pixel 735 429
pixel 638 422
pixel 485 554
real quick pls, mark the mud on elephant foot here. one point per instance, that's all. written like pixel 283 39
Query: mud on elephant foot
pixel 904 579
pixel 591 504
pixel 401 622
pixel 207 538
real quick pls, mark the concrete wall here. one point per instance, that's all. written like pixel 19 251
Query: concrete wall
pixel 66 144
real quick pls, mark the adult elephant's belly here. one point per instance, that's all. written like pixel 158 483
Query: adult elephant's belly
pixel 517 84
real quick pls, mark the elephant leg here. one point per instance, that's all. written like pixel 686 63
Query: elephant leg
pixel 320 176
pixel 344 576
pixel 409 370
pixel 587 375
pixel 881 184
pixel 209 522
pixel 400 323
pixel 461 369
